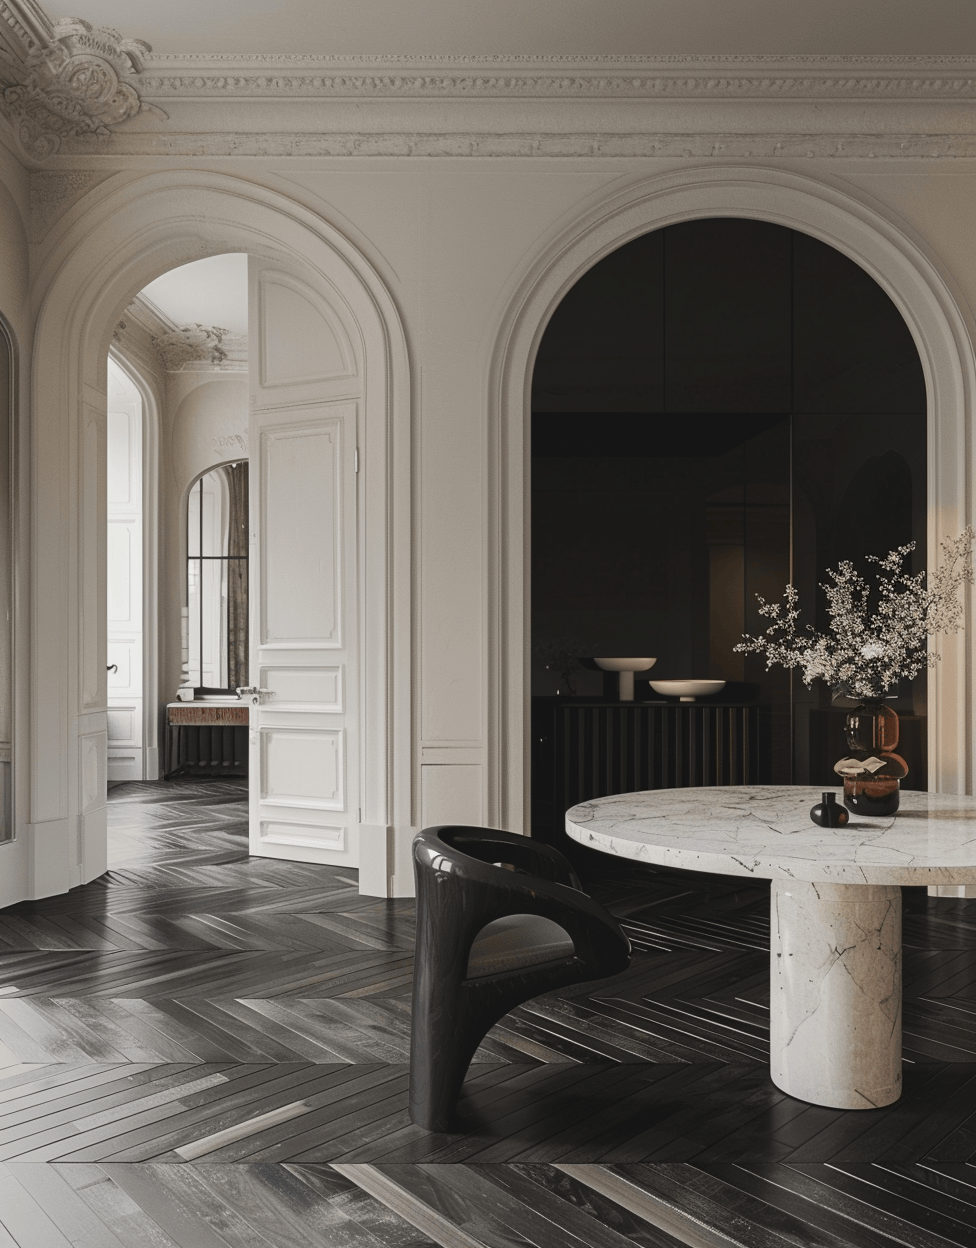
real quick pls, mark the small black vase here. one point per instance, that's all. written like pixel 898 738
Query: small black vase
pixel 828 813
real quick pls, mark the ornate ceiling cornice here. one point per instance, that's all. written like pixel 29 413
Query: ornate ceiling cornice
pixel 179 348
pixel 78 84
pixel 194 348
pixel 697 146
pixel 587 77
pixel 143 316
pixel 70 89
pixel 25 25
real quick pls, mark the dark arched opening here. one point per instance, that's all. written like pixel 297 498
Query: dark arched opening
pixel 719 407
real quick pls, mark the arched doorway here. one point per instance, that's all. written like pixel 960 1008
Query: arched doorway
pixel 132 660
pixel 894 259
pixel 129 238
pixel 720 407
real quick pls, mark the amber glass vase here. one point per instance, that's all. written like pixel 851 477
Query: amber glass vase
pixel 872 770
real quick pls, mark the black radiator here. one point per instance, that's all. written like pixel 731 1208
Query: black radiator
pixel 206 750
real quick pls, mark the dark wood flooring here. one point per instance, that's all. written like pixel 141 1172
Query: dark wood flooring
pixel 206 1050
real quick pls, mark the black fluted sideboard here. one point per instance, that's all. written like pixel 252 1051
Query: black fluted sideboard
pixel 583 748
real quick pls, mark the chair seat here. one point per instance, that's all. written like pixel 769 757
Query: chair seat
pixel 516 942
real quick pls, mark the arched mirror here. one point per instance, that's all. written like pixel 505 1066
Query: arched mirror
pixel 216 578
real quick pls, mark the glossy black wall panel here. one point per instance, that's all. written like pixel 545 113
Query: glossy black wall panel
pixel 602 350
pixel 788 433
pixel 852 351
pixel 727 317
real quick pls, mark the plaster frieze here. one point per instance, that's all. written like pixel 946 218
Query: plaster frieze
pixel 449 61
pixel 232 443
pixel 24 25
pixel 77 85
pixel 51 193
pixel 190 348
pixel 723 146
pixel 135 334
pixel 800 78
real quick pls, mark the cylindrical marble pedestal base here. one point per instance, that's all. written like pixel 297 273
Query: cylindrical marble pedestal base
pixel 835 993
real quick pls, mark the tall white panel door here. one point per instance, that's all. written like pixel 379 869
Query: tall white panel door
pixel 304 613
pixel 126 754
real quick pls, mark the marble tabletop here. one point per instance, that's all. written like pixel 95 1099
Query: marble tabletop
pixel 766 831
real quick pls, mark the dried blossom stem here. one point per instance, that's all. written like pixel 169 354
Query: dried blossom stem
pixel 864 654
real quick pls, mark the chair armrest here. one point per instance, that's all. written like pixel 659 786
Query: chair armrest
pixel 596 934
pixel 492 846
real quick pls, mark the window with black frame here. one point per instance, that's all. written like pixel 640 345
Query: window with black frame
pixel 216 578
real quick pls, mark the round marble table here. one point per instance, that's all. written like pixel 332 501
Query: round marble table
pixel 835 909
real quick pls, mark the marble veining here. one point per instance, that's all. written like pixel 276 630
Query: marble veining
pixel 835 992
pixel 835 945
pixel 766 831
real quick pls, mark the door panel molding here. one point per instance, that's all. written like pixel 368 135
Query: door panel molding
pixel 306 732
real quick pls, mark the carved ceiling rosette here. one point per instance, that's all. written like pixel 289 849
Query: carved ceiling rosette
pixel 77 85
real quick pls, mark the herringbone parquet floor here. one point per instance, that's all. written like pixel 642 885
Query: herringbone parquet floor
pixel 206 1050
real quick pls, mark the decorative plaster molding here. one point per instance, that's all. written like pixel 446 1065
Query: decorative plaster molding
pixel 133 337
pixel 679 78
pixel 236 443
pixel 589 77
pixel 76 86
pixel 579 60
pixel 24 23
pixel 151 322
pixel 724 146
pixel 52 193
pixel 147 330
pixel 190 347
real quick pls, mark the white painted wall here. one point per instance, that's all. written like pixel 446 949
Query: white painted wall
pixel 467 255
pixel 15 308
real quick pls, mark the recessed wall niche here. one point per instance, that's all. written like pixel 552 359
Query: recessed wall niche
pixel 720 407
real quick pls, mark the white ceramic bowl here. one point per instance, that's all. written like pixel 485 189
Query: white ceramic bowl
pixel 624 665
pixel 687 690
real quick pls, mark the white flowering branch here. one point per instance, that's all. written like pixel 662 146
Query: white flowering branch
pixel 864 654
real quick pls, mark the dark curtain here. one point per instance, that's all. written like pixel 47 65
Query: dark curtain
pixel 237 640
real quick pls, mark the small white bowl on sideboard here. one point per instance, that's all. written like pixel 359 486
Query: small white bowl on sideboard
pixel 687 690
pixel 626 668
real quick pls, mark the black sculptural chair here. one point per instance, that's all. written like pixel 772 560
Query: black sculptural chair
pixel 489 938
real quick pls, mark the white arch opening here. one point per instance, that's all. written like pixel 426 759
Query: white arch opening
pixel 891 254
pixel 126 238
